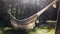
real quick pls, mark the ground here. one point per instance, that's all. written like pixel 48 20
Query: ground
pixel 42 29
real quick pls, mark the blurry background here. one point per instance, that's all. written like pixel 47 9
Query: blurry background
pixel 46 24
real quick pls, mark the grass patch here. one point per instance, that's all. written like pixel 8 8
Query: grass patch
pixel 43 29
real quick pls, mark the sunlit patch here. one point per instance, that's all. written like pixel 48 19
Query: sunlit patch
pixel 37 21
pixel 54 5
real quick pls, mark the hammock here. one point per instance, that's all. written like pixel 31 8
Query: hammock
pixel 29 22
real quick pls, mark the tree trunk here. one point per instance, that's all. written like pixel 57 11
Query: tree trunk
pixel 58 22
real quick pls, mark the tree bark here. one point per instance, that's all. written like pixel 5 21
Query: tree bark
pixel 58 23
